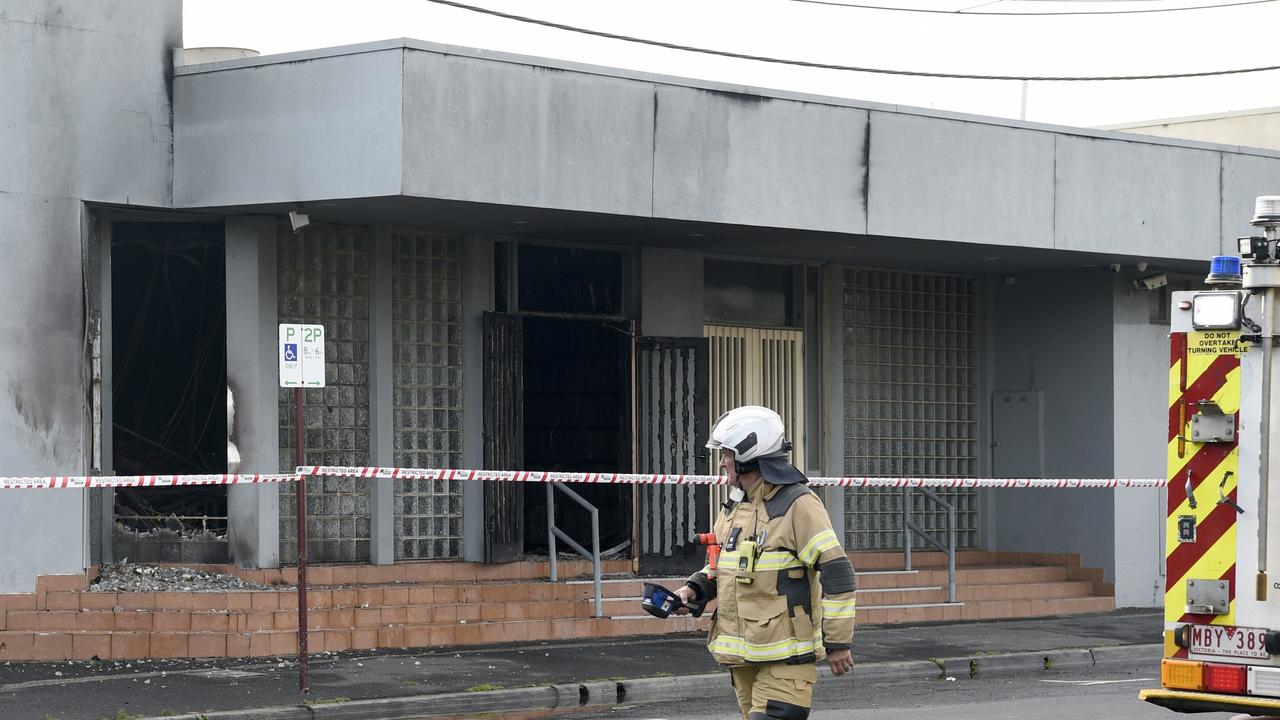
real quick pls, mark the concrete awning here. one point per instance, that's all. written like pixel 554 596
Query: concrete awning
pixel 424 134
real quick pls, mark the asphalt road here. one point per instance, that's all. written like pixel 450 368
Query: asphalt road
pixel 1107 692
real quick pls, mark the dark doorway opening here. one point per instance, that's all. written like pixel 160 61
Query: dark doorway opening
pixel 169 387
pixel 577 417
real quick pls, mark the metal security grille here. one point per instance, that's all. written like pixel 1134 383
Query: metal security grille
pixel 757 366
pixel 427 358
pixel 672 423
pixel 324 279
pixel 910 392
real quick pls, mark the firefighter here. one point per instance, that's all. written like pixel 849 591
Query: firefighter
pixel 784 587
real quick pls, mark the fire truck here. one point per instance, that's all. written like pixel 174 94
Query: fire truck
pixel 1222 592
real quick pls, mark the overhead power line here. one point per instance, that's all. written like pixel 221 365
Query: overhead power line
pixel 833 66
pixel 973 11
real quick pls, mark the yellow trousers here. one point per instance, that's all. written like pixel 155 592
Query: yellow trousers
pixel 774 690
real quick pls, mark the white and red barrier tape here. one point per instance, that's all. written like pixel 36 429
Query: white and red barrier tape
pixel 649 479
pixel 120 481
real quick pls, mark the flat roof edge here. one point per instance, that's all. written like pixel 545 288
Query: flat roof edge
pixel 1105 132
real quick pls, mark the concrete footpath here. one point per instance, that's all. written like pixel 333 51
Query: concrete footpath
pixel 465 682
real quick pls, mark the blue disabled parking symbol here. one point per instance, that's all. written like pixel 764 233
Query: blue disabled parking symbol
pixel 291 352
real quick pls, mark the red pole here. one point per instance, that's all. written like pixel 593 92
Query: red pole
pixel 304 669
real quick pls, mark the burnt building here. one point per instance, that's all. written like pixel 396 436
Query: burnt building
pixel 527 263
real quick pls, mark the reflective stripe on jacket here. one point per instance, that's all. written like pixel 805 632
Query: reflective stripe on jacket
pixel 799 601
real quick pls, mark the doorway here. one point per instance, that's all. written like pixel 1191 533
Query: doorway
pixel 558 393
pixel 169 388
pixel 577 419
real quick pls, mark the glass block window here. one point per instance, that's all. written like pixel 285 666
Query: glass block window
pixel 427 357
pixel 323 278
pixel 911 400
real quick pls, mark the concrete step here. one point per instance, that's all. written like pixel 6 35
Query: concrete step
pixel 901 596
pixel 925 559
pixel 984 610
pixel 1025 591
pixel 894 559
pixel 976 593
pixel 895 578
pixel 976 575
pixel 621 587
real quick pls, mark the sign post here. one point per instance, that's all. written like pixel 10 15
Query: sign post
pixel 301 366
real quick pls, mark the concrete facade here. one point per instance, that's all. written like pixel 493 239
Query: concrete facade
pixel 491 147
pixel 1140 402
pixel 759 160
pixel 670 293
pixel 496 133
pixel 91 125
pixel 1052 333
pixel 454 124
pixel 937 178
pixel 253 510
pixel 304 147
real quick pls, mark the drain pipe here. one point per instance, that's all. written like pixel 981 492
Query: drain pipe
pixel 1264 428
pixel 1265 276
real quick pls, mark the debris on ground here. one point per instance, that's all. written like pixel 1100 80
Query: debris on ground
pixel 168 528
pixel 126 577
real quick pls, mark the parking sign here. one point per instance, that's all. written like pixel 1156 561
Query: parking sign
pixel 301 355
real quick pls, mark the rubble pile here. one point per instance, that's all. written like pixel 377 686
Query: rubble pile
pixel 172 529
pixel 124 577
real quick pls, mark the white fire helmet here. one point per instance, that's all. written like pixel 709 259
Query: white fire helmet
pixel 750 432
pixel 756 436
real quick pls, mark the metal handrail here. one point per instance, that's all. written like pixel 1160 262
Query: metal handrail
pixel 554 532
pixel 909 528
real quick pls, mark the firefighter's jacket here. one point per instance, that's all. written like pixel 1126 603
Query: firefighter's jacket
pixel 799 602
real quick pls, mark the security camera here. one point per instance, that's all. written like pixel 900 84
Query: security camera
pixel 298 219
pixel 1151 282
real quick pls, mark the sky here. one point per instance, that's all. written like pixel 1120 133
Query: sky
pixel 1022 41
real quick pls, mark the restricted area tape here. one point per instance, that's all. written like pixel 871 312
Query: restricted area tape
pixel 659 479
pixel 119 481
pixel 123 481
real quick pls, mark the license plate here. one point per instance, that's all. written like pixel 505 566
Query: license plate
pixel 1229 641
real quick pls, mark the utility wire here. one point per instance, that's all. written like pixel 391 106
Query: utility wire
pixel 832 66
pixel 1051 13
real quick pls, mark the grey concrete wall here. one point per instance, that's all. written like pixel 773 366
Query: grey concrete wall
pixel 986 383
pixel 253 377
pixel 752 160
pixel 1244 177
pixel 381 404
pixel 831 336
pixel 1147 200
pixel 43 412
pixel 671 288
pixel 1140 407
pixel 84 99
pixel 1052 332
pixel 323 129
pixel 525 135
pixel 85 110
pixel 969 182
pixel 477 299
